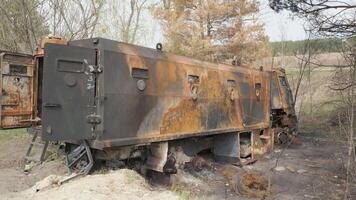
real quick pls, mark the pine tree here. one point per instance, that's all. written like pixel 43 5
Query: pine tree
pixel 214 30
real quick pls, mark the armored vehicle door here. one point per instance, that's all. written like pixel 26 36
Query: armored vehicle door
pixel 68 92
pixel 16 82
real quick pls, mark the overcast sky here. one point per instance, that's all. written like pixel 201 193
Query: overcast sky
pixel 279 25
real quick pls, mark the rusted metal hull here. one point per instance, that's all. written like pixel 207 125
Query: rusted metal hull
pixel 115 94
pixel 120 96
pixel 221 99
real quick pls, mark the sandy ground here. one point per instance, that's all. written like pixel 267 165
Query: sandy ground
pixel 12 179
pixel 119 184
pixel 310 169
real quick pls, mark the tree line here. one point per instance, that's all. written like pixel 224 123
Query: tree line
pixel 322 45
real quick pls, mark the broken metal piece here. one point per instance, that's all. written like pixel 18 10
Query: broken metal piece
pixel 80 159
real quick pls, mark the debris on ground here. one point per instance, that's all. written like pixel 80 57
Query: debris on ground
pixel 291 169
pixel 254 186
pixel 246 183
pixel 279 168
pixel 296 141
pixel 301 171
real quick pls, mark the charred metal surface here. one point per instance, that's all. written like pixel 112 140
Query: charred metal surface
pixel 282 106
pixel 16 83
pixel 115 94
pixel 158 156
pixel 227 147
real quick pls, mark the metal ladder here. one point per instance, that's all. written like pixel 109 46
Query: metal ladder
pixel 27 159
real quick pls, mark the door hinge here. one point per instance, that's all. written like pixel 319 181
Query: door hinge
pixel 94 119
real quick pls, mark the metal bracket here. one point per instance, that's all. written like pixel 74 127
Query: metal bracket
pixel 94 119
pixel 80 159
pixel 94 69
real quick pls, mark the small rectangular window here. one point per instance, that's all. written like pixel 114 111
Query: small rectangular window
pixel 193 79
pixel 283 80
pixel 258 86
pixel 139 73
pixel 18 69
pixel 70 66
pixel 231 83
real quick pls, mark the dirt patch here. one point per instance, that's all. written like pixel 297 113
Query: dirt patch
pixel 120 184
pixel 296 141
pixel 313 164
pixel 13 147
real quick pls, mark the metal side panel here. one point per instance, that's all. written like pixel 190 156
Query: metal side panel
pixel 68 92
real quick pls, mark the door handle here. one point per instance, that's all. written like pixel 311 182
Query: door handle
pixel 52 105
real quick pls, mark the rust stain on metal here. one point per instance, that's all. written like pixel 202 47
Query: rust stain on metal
pixel 183 118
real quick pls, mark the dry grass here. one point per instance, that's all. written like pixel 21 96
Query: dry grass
pixel 327 59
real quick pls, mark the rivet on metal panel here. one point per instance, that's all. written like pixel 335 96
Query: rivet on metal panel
pixel 141 85
pixel 70 80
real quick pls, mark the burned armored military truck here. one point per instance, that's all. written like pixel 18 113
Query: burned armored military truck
pixel 110 100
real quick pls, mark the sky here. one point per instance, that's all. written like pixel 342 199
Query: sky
pixel 281 26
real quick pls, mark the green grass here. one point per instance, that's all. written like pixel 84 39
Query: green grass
pixel 295 71
pixel 13 133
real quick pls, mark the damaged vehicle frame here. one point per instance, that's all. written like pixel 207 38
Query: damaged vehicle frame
pixel 114 101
